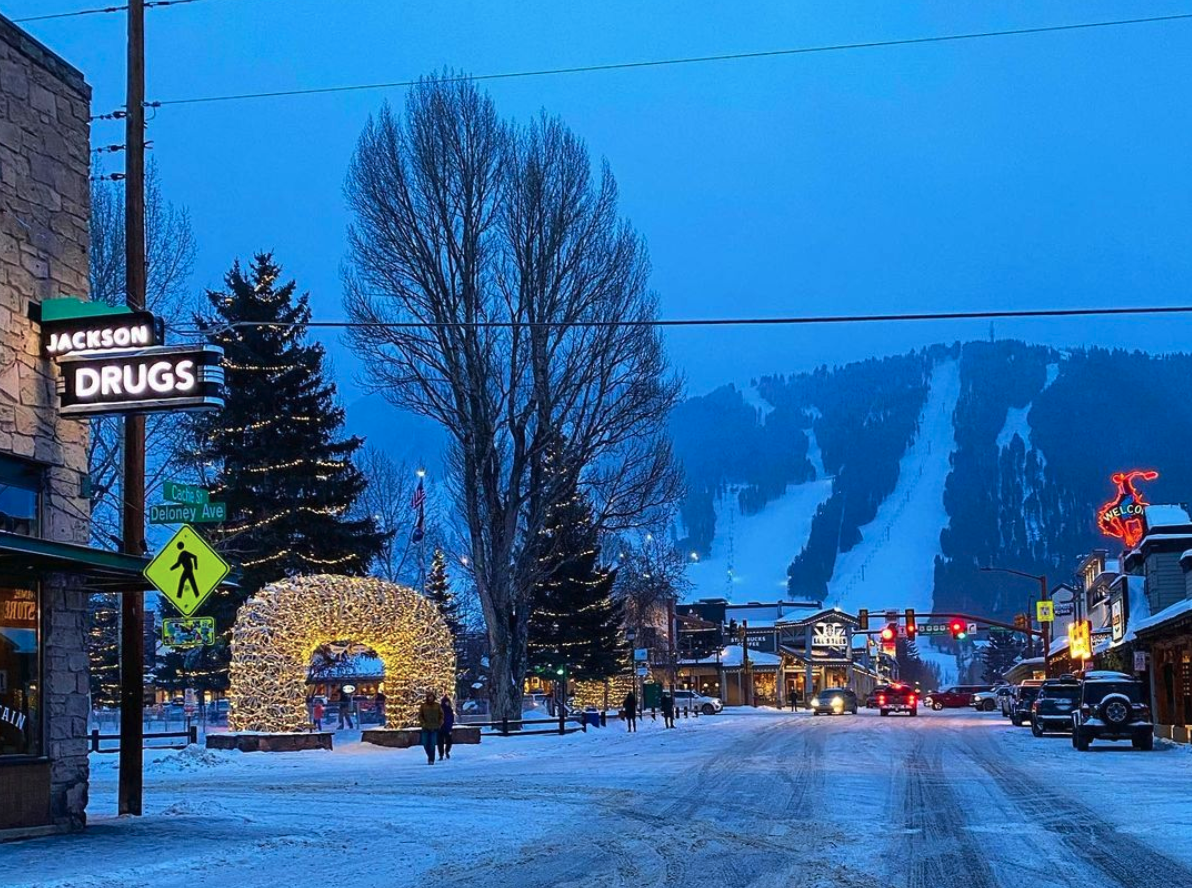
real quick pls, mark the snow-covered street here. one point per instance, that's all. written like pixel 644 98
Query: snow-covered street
pixel 747 798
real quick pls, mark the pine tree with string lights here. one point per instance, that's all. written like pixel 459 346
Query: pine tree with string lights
pixel 275 454
pixel 575 622
pixel 438 590
pixel 103 648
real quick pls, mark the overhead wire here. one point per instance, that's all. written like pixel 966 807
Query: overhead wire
pixel 995 314
pixel 685 60
pixel 99 10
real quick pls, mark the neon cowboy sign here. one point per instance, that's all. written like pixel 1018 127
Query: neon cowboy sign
pixel 1124 516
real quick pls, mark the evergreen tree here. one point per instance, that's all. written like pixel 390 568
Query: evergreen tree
pixel 1003 649
pixel 103 648
pixel 275 455
pixel 438 590
pixel 575 622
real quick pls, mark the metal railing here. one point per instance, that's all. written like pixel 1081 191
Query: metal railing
pixel 191 735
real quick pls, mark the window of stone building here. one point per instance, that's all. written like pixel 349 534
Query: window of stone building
pixel 20 671
pixel 20 495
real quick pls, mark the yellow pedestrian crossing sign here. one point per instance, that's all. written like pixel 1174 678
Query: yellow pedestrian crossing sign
pixel 1045 611
pixel 186 570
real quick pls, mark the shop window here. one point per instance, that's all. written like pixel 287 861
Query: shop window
pixel 20 493
pixel 20 672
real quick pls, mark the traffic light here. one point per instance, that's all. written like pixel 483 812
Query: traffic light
pixel 889 635
pixel 863 619
pixel 911 628
pixel 957 627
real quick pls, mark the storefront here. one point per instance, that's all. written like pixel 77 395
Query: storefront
pixel 47 570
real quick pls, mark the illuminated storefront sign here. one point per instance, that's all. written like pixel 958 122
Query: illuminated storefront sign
pixel 830 635
pixel 72 326
pixel 1124 517
pixel 183 377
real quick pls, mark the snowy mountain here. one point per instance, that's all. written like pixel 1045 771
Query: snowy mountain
pixel 888 482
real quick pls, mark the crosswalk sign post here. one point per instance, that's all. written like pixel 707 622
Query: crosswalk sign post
pixel 186 570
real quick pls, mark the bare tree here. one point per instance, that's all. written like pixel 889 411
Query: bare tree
pixel 651 575
pixel 170 252
pixel 386 499
pixel 499 293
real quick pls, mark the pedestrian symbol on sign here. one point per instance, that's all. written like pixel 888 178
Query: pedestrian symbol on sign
pixel 188 561
pixel 186 571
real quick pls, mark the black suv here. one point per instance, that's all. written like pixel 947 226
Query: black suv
pixel 1052 709
pixel 1112 710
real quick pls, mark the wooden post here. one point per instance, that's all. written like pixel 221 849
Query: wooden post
pixel 132 612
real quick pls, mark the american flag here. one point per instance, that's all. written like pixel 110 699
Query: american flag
pixel 418 503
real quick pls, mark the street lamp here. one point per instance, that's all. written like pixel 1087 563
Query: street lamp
pixel 1044 595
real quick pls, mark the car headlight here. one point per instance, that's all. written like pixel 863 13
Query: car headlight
pixel 837 703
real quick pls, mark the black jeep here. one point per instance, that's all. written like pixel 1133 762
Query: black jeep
pixel 1112 710
pixel 1052 709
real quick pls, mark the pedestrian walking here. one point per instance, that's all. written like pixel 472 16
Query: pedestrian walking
pixel 668 711
pixel 316 714
pixel 445 731
pixel 345 708
pixel 630 707
pixel 430 722
pixel 379 702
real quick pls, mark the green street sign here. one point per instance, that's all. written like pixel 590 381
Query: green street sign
pixel 185 493
pixel 188 632
pixel 186 571
pixel 176 513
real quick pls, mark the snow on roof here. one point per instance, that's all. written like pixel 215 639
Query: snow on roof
pixel 730 658
pixel 1166 515
pixel 1175 611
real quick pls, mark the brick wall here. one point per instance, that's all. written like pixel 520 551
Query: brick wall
pixel 44 206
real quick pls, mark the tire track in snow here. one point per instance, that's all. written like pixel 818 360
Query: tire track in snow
pixel 1086 836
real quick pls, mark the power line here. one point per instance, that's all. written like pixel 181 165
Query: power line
pixel 690 60
pixel 149 4
pixel 788 321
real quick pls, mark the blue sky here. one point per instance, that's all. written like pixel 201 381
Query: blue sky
pixel 1032 171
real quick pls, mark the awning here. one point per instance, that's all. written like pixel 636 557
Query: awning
pixel 103 571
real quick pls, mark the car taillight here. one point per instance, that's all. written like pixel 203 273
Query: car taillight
pixel 911 700
pixel 881 699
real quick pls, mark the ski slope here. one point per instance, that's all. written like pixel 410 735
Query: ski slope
pixel 894 564
pixel 760 547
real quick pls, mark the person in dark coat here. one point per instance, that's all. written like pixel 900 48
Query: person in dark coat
pixel 668 711
pixel 379 702
pixel 630 707
pixel 345 708
pixel 445 731
pixel 430 722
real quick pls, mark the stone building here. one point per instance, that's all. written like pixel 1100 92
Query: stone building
pixel 46 566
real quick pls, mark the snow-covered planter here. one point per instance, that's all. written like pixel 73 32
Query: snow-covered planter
pixel 254 741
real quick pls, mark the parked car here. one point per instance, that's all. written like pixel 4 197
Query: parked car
pixel 694 701
pixel 954 696
pixel 898 698
pixel 872 696
pixel 987 701
pixel 834 701
pixel 1112 709
pixel 1052 709
pixel 1024 698
pixel 1006 701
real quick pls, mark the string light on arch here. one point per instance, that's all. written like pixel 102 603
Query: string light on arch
pixel 278 629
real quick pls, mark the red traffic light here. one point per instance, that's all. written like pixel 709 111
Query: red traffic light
pixel 888 633
pixel 957 627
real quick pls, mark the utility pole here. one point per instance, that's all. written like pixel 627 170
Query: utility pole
pixel 132 611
